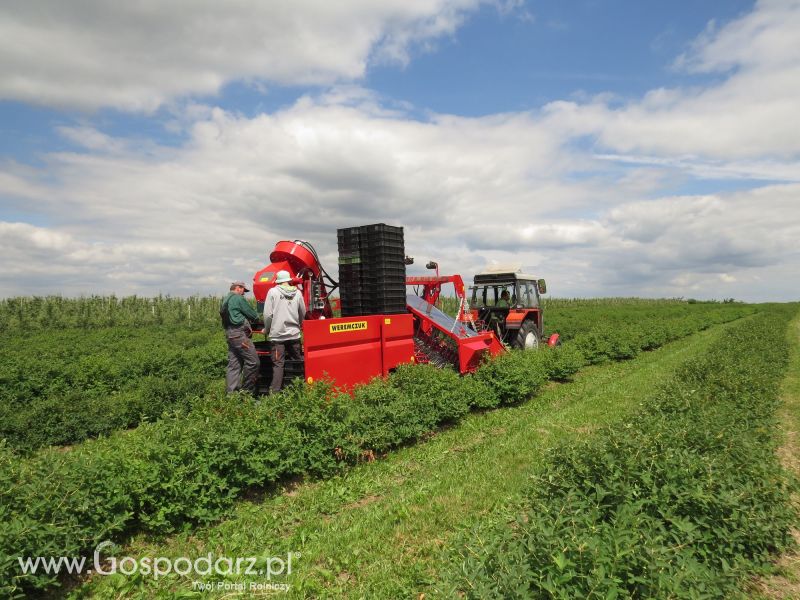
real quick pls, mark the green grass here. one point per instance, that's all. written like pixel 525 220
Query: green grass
pixel 785 582
pixel 377 530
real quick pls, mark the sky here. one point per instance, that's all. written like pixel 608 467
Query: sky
pixel 612 147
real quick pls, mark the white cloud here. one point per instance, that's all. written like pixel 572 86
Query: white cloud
pixel 132 217
pixel 91 139
pixel 763 37
pixel 41 260
pixel 710 234
pixel 746 123
pixel 240 184
pixel 467 190
pixel 139 55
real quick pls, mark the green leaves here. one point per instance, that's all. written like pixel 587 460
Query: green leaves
pixel 683 502
pixel 196 451
pixel 63 387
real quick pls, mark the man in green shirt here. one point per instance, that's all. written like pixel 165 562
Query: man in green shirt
pixel 243 363
pixel 504 300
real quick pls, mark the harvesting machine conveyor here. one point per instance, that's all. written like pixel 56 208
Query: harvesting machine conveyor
pixel 443 340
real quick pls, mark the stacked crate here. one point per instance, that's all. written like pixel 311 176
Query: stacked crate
pixel 372 270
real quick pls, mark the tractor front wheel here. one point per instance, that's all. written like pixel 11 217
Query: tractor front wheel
pixel 527 336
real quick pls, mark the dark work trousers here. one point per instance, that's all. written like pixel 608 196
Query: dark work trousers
pixel 243 363
pixel 280 350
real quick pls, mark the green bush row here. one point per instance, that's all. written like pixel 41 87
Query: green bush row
pixel 570 321
pixel 165 475
pixel 34 365
pixel 609 341
pixel 48 313
pixel 67 386
pixel 682 501
pixel 62 387
pixel 176 472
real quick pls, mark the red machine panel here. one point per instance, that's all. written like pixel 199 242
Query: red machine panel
pixel 516 317
pixel 264 280
pixel 353 350
pixel 346 350
pixel 473 350
pixel 397 340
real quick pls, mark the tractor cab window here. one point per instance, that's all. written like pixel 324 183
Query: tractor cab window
pixel 493 296
pixel 478 298
pixel 528 294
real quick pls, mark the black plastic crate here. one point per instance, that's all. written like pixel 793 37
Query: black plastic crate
pixel 394 281
pixel 351 307
pixel 382 299
pixel 380 281
pixel 351 294
pixel 390 249
pixel 379 239
pixel 351 260
pixel 371 286
pixel 356 301
pixel 387 272
pixel 383 291
pixel 377 297
pixel 353 299
pixel 370 264
pixel 349 248
pixel 350 274
pixel 350 268
pixel 371 269
pixel 378 304
pixel 376 232
pixel 383 247
pixel 345 232
pixel 381 228
pixel 391 309
pixel 372 254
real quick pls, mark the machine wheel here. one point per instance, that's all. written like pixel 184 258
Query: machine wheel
pixel 527 336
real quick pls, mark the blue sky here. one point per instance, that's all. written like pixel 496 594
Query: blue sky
pixel 512 62
pixel 614 147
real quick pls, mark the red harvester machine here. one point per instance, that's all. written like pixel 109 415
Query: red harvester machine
pixel 354 349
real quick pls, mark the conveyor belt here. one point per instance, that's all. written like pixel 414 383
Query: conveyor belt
pixel 442 321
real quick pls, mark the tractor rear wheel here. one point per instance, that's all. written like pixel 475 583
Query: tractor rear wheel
pixel 527 336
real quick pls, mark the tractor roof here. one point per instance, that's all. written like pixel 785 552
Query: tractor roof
pixel 501 277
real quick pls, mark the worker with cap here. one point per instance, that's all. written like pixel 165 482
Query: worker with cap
pixel 243 362
pixel 284 311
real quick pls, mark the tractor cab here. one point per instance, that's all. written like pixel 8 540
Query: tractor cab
pixel 508 304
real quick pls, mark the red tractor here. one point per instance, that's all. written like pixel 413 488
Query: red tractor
pixel 507 303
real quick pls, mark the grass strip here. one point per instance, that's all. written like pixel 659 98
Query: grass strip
pixel 784 582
